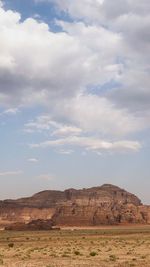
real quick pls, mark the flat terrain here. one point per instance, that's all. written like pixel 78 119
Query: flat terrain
pixel 103 247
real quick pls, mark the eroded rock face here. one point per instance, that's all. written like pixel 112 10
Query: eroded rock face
pixel 106 204
pixel 15 213
pixel 101 205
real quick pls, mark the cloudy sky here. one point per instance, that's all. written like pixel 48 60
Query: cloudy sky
pixel 74 95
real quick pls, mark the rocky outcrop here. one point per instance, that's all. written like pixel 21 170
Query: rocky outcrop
pixel 106 204
pixel 35 225
pixel 16 213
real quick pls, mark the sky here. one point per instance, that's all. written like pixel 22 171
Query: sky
pixel 74 95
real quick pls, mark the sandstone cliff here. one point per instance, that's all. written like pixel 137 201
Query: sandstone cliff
pixel 106 204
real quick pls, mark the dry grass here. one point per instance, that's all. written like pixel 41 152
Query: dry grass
pixel 114 247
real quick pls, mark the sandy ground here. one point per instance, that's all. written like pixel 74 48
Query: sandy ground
pixel 123 246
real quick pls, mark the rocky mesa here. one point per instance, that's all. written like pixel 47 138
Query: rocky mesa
pixel 106 204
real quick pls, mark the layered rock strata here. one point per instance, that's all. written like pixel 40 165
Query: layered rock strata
pixel 104 205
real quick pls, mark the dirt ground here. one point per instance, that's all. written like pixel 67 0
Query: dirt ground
pixel 102 247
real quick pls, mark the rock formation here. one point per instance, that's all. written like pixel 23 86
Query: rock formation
pixel 107 204
pixel 35 225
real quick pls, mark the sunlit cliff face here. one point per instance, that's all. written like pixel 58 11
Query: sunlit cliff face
pixel 106 205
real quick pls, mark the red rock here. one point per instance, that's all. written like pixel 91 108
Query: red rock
pixel 107 204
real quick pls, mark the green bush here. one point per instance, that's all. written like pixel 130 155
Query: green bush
pixel 93 253
pixel 76 252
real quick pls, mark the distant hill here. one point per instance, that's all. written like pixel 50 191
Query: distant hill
pixel 103 205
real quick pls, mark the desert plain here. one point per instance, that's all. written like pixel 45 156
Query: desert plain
pixel 113 246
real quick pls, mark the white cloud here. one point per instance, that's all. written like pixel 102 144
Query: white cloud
pixel 93 144
pixel 100 10
pixel 93 113
pixel 1 3
pixel 33 160
pixel 98 118
pixel 86 114
pixel 61 70
pixel 85 9
pixel 10 111
pixel 41 123
pixel 10 173
pixel 38 66
pixel 45 123
pixel 129 22
pixel 67 130
pixel 65 151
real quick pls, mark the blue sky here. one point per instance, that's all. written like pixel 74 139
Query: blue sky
pixel 71 113
pixel 29 8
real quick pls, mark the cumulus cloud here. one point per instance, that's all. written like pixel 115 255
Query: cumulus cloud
pixel 86 115
pixel 135 92
pixel 67 72
pixel 129 20
pixel 37 65
pixel 100 10
pixel 94 113
pixel 91 121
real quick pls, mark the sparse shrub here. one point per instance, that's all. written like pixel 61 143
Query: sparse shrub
pixel 112 258
pixel 143 257
pixel 11 245
pixel 76 252
pixel 65 255
pixel 93 253
pixel 53 255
